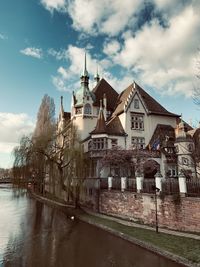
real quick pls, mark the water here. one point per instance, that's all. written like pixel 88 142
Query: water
pixel 33 234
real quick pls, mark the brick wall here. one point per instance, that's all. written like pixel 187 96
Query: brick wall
pixel 174 212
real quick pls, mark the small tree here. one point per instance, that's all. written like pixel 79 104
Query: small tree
pixel 118 158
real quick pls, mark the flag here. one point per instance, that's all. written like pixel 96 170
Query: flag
pixel 156 145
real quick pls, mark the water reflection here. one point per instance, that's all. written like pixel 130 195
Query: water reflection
pixel 35 235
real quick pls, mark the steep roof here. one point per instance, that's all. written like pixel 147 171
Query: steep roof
pixel 153 107
pixel 112 127
pixel 101 124
pixel 103 87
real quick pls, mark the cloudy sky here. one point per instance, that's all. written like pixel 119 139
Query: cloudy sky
pixel 42 44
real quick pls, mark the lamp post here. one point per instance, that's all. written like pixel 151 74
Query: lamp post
pixel 155 189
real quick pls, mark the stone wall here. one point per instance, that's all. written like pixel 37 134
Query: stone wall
pixel 174 212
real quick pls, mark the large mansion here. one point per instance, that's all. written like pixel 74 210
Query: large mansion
pixel 130 120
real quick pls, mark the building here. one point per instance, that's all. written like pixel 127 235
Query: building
pixel 131 120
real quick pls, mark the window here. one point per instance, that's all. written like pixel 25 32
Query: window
pixel 138 142
pixel 87 109
pixel 98 144
pixel 185 161
pixel 176 149
pixel 136 104
pixel 137 122
pixel 89 145
pixel 190 147
pixel 172 171
pixel 114 142
pixel 170 150
pixel 78 111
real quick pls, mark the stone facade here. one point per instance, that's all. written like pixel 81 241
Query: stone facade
pixel 131 120
pixel 174 212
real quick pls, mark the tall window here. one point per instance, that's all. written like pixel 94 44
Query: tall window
pixel 87 109
pixel 138 142
pixel 136 104
pixel 137 122
pixel 98 144
pixel 172 170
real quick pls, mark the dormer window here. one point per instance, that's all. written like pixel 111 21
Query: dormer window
pixel 78 111
pixel 136 104
pixel 87 109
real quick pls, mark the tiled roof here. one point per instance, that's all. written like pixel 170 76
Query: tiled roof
pixel 101 124
pixel 153 107
pixel 114 127
pixel 103 87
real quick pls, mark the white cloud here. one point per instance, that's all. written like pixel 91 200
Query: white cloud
pixel 51 5
pixel 33 52
pixel 67 79
pixel 111 47
pixel 60 84
pixel 105 16
pixel 59 55
pixel 3 37
pixel 164 57
pixel 12 128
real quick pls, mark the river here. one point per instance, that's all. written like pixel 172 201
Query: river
pixel 32 234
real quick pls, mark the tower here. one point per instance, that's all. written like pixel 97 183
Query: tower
pixel 83 114
pixel 184 147
pixel 96 77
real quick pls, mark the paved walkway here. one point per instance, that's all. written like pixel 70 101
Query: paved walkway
pixel 129 223
pixel 123 221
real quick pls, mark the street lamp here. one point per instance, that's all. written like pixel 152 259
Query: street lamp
pixel 155 189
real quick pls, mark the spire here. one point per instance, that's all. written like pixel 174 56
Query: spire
pixel 97 78
pixel 85 72
pixel 101 124
pixel 61 114
pixel 61 105
pixel 85 77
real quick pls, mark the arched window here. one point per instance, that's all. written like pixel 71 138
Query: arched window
pixel 88 109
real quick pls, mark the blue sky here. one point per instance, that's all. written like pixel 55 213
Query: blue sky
pixel 42 44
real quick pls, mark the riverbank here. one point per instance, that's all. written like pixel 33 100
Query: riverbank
pixel 179 248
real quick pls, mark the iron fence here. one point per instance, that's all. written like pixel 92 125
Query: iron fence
pixel 131 185
pixel 170 186
pixel 148 186
pixel 103 183
pixel 193 188
pixel 116 184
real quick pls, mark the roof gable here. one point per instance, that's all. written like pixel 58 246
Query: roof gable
pixel 103 87
pixel 150 104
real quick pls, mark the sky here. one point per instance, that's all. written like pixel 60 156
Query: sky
pixel 42 46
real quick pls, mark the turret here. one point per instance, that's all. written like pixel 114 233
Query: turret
pixel 184 146
pixel 85 76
